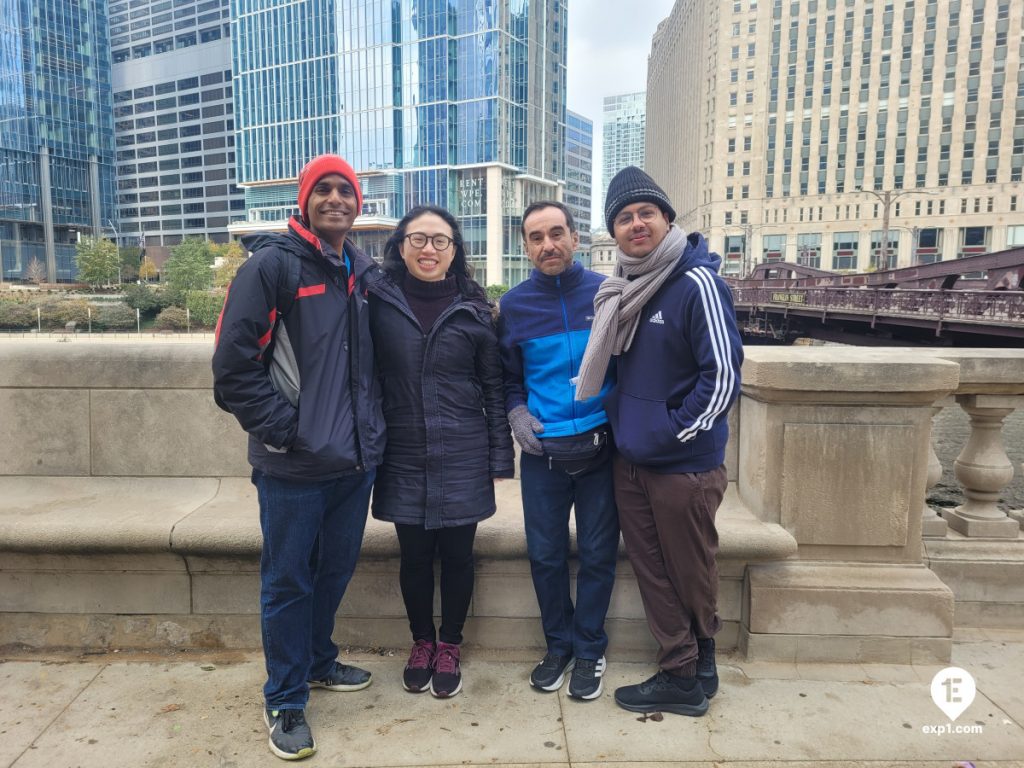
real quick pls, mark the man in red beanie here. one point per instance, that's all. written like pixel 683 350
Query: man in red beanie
pixel 295 329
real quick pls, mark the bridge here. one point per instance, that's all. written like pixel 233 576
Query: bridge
pixel 976 301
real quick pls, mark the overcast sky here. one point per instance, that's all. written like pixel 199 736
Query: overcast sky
pixel 609 41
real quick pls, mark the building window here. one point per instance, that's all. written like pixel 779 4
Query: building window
pixel 808 250
pixel 844 251
pixel 973 241
pixel 928 248
pixel 774 248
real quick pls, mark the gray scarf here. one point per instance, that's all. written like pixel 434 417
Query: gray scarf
pixel 617 307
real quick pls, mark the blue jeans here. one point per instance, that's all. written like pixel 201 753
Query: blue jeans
pixel 548 495
pixel 312 533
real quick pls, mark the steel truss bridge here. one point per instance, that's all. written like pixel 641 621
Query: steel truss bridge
pixel 976 301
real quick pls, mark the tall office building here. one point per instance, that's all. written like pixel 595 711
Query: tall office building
pixel 579 171
pixel 455 102
pixel 173 122
pixel 56 133
pixel 807 130
pixel 624 135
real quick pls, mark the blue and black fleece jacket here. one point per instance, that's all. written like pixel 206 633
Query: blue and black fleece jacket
pixel 543 328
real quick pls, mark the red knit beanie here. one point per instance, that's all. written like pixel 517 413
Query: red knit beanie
pixel 316 169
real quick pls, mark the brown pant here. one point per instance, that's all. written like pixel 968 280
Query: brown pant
pixel 668 525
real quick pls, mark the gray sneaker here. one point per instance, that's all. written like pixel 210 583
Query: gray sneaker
pixel 550 673
pixel 343 678
pixel 290 736
pixel 586 680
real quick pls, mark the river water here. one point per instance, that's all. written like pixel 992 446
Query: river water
pixel 950 431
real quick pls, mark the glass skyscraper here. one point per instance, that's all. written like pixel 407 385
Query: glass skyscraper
pixel 579 172
pixel 460 103
pixel 624 134
pixel 173 122
pixel 56 132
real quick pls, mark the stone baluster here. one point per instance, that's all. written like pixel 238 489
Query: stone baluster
pixel 984 469
pixel 933 526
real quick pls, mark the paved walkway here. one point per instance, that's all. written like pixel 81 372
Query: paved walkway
pixel 190 710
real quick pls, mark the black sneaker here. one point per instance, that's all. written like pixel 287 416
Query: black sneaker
pixel 664 693
pixel 447 678
pixel 707 672
pixel 550 673
pixel 343 678
pixel 420 667
pixel 586 680
pixel 290 737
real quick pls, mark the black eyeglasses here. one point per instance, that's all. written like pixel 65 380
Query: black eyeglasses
pixel 419 240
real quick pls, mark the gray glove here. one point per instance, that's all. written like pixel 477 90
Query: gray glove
pixel 525 428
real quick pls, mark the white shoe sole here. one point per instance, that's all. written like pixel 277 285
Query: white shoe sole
pixel 340 687
pixel 557 685
pixel 300 755
pixel 589 696
pixel 437 695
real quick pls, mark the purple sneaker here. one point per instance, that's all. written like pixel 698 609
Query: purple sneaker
pixel 447 679
pixel 419 668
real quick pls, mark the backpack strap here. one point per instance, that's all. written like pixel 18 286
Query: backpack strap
pixel 288 285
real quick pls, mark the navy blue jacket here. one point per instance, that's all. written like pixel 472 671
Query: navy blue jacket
pixel 681 374
pixel 447 433
pixel 313 410
pixel 543 330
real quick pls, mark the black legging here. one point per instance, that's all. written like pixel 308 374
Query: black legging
pixel 416 576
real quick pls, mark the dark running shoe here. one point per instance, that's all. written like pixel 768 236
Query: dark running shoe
pixel 447 678
pixel 343 678
pixel 550 673
pixel 419 668
pixel 290 737
pixel 664 693
pixel 586 680
pixel 707 672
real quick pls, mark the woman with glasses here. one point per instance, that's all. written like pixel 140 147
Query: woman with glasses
pixel 447 435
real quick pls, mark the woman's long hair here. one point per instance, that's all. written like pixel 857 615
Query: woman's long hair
pixel 460 268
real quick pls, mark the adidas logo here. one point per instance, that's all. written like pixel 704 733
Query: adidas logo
pixel 656 318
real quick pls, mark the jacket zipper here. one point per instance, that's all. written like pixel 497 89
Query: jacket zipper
pixel 568 341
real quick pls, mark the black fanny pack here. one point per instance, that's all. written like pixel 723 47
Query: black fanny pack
pixel 579 454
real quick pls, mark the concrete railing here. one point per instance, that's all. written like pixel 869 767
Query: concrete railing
pixel 126 516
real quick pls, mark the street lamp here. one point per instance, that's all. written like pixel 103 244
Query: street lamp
pixel 887 198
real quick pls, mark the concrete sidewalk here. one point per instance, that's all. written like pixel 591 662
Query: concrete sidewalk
pixel 204 710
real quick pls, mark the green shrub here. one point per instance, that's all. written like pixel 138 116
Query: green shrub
pixel 495 292
pixel 205 308
pixel 114 317
pixel 145 299
pixel 60 312
pixel 17 316
pixel 171 319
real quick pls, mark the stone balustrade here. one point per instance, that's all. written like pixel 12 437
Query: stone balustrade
pixel 126 517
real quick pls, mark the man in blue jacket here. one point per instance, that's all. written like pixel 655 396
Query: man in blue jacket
pixel 295 329
pixel 669 318
pixel 543 328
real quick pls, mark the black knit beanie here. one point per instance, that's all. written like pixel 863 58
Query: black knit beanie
pixel 631 185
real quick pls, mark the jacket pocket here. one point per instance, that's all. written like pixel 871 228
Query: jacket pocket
pixel 643 430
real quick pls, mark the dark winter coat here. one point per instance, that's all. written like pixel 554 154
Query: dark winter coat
pixel 443 404
pixel 313 410
pixel 679 377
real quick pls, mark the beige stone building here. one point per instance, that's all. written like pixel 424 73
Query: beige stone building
pixel 799 130
pixel 603 253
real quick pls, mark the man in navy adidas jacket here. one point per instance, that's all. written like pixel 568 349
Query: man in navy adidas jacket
pixel 543 328
pixel 316 433
pixel 669 318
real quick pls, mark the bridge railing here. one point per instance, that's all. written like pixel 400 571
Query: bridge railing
pixel 1005 306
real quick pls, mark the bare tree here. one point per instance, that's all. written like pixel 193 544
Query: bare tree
pixel 35 272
